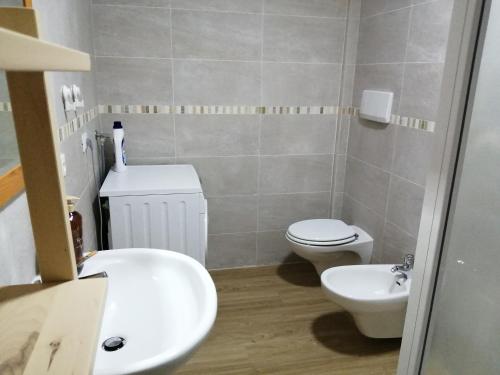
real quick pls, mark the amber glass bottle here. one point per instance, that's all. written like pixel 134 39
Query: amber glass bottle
pixel 75 220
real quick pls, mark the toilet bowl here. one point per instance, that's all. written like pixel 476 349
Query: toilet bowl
pixel 372 295
pixel 327 243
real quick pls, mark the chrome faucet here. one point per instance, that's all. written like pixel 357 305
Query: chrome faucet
pixel 402 269
pixel 80 265
pixel 407 265
pixel 97 275
pixel 401 278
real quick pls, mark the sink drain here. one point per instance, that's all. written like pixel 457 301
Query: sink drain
pixel 113 343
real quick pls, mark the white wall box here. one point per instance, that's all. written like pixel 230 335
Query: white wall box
pixel 160 207
pixel 376 106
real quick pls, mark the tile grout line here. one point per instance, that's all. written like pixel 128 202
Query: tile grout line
pixel 218 196
pixel 385 171
pixel 408 35
pixel 384 218
pixel 99 125
pixel 277 230
pixel 400 229
pixel 399 9
pixel 386 12
pixel 349 121
pixel 172 83
pixel 395 134
pixel 364 206
pixel 256 155
pixel 399 63
pixel 224 11
pixel 259 139
pixel 339 114
pixel 262 13
pixel 234 233
pixel 386 210
pixel 210 59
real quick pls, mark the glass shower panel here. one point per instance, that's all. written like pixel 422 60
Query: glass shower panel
pixel 464 331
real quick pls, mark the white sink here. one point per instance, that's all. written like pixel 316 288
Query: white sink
pixel 161 302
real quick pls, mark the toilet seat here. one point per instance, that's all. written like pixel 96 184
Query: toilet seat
pixel 321 232
pixel 321 243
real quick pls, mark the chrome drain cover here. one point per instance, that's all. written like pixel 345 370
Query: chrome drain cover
pixel 113 343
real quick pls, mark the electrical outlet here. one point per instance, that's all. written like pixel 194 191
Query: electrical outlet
pixel 77 96
pixel 67 99
pixel 84 141
pixel 63 164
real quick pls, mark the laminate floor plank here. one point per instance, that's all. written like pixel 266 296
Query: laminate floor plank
pixel 276 320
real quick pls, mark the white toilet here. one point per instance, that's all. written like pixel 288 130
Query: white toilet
pixel 374 295
pixel 328 243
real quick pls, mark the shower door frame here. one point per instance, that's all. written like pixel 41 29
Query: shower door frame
pixel 459 79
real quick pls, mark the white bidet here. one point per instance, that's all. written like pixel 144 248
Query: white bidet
pixel 375 296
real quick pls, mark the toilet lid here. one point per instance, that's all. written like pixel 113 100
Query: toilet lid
pixel 322 230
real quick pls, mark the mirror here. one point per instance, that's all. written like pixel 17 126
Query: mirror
pixel 11 176
pixel 11 179
pixel 9 155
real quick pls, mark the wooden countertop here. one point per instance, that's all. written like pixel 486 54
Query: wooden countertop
pixel 51 328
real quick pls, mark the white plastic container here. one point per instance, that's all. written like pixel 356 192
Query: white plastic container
pixel 119 144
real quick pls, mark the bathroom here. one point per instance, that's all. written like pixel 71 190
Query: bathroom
pixel 269 102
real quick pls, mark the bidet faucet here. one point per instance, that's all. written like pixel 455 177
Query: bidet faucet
pixel 407 265
pixel 97 275
pixel 401 278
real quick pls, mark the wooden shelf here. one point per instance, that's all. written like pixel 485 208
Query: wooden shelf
pixel 51 328
pixel 28 54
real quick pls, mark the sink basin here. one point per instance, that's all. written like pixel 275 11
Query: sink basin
pixel 162 303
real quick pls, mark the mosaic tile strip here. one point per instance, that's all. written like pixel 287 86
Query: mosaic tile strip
pixel 72 126
pixel 219 109
pixel 137 109
pixel 413 123
pixel 83 119
pixel 210 110
pixel 409 122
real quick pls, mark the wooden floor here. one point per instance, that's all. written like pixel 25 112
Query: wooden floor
pixel 275 320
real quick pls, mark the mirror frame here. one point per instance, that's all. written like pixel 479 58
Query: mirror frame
pixel 12 181
pixel 11 184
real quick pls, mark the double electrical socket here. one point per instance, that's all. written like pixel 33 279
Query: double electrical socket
pixel 72 98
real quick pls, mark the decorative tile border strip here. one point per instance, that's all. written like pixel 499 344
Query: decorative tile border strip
pixel 413 123
pixel 67 129
pixel 83 119
pixel 72 126
pixel 219 109
pixel 409 122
